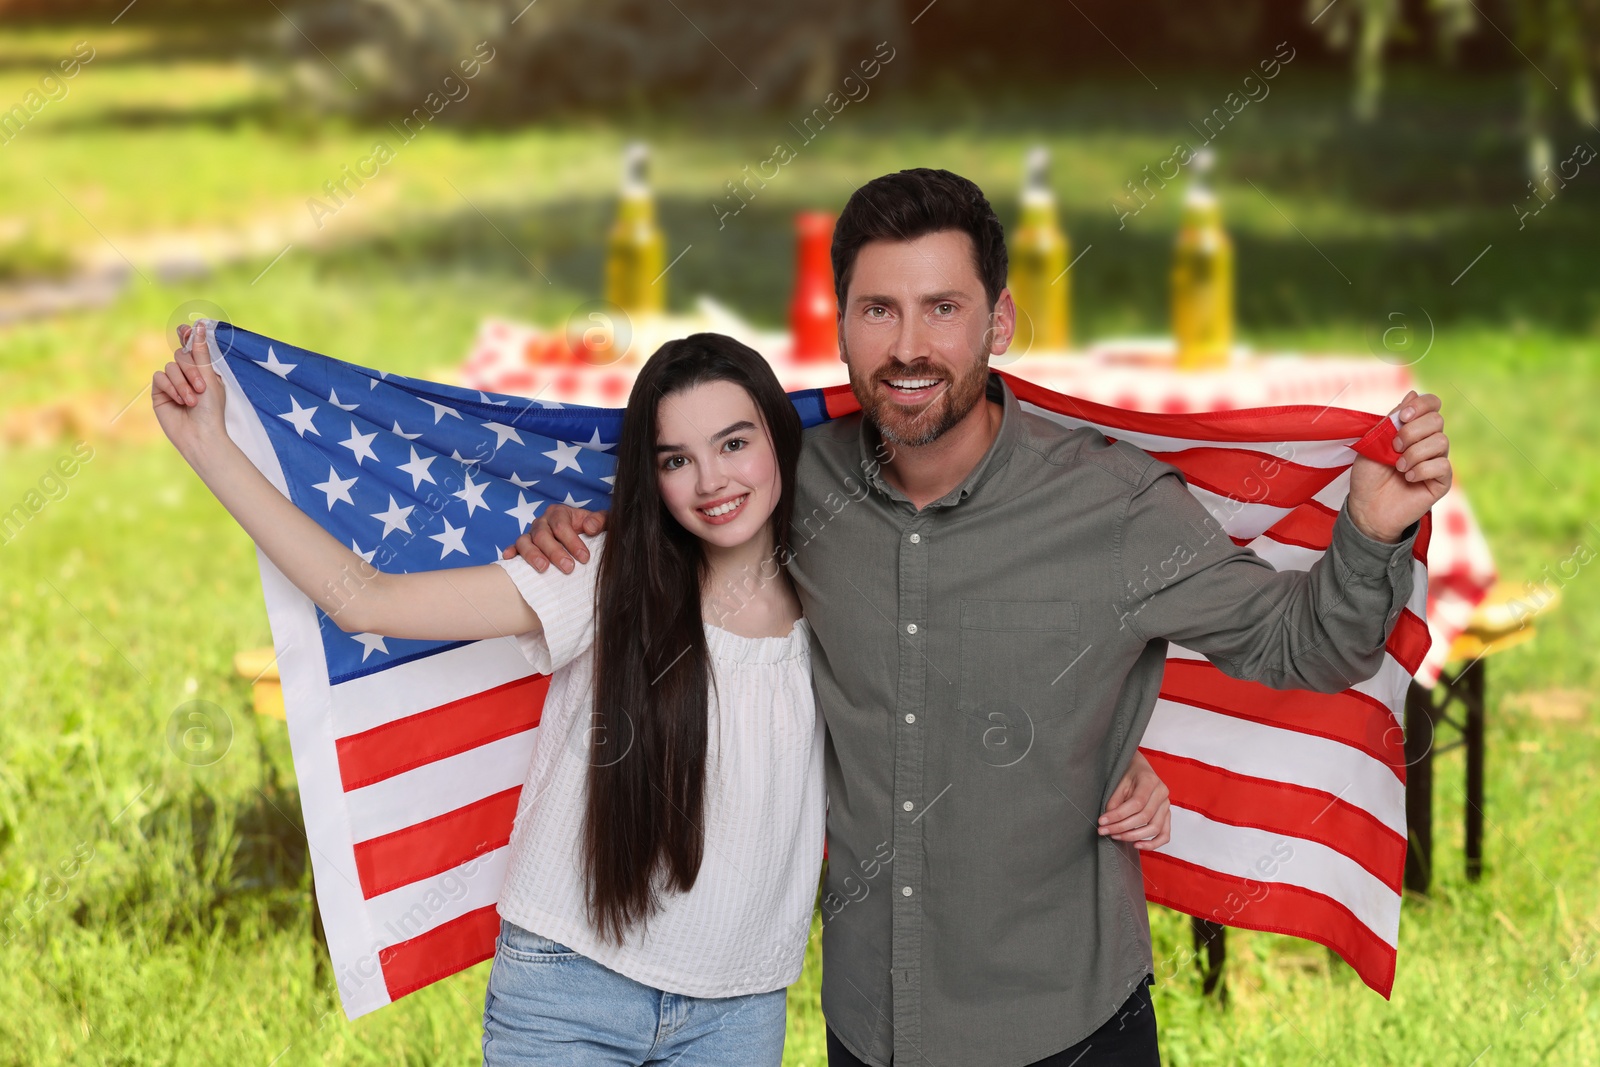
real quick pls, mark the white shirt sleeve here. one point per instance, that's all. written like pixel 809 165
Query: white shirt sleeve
pixel 564 603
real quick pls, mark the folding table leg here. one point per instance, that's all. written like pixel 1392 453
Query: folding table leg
pixel 1213 938
pixel 1472 697
pixel 1419 788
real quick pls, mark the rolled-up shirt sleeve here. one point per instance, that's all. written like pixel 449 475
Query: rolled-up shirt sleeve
pixel 1186 581
pixel 565 604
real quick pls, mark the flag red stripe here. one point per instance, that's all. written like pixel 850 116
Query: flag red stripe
pixel 1282 808
pixel 840 400
pixel 447 730
pixel 1295 422
pixel 1310 525
pixel 440 952
pixel 435 845
pixel 1378 443
pixel 1275 907
pixel 1258 477
pixel 1348 717
pixel 1409 640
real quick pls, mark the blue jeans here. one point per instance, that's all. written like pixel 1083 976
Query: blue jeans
pixel 551 1006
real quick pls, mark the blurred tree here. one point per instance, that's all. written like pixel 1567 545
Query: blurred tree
pixel 1557 38
pixel 106 10
pixel 1366 28
pixel 552 54
pixel 1560 39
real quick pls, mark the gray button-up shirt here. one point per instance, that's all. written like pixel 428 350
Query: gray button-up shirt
pixel 987 666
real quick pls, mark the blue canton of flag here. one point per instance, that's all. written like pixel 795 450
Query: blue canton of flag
pixel 414 475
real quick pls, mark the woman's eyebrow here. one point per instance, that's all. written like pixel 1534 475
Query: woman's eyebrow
pixel 745 424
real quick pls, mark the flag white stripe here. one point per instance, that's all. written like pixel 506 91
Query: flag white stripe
pixel 1262 751
pixel 1332 495
pixel 439 787
pixel 1418 601
pixel 1330 453
pixel 1238 518
pixel 1387 687
pixel 400 692
pixel 1285 557
pixel 417 908
pixel 1241 851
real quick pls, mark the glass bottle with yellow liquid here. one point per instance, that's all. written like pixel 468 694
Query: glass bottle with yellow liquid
pixel 1038 250
pixel 1202 277
pixel 634 248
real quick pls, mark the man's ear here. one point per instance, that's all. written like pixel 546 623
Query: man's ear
pixel 1002 326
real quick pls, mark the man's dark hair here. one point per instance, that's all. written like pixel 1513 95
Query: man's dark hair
pixel 912 204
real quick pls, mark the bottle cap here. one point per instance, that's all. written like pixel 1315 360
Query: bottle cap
pixel 1199 194
pixel 636 169
pixel 1036 180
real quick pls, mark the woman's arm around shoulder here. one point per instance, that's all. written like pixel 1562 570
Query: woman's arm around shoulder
pixel 457 604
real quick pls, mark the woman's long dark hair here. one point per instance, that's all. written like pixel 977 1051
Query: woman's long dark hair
pixel 644 825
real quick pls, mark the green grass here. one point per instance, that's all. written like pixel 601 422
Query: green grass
pixel 159 909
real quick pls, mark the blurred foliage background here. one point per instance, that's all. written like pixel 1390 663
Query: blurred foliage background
pixel 155 910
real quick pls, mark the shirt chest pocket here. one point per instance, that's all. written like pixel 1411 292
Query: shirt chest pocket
pixel 1019 670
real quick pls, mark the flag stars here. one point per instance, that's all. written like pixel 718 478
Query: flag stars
pixel 395 518
pixel 300 418
pixel 398 432
pixel 594 443
pixel 565 455
pixel 360 444
pixel 472 495
pixel 487 399
pixel 571 503
pixel 275 365
pixel 524 511
pixel 418 469
pixel 441 410
pixel 517 481
pixel 366 557
pixel 450 539
pixel 333 398
pixel 369 643
pixel 502 433
pixel 336 488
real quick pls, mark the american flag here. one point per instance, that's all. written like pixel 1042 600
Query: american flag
pixel 410 755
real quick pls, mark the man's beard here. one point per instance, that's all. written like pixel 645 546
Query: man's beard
pixel 896 425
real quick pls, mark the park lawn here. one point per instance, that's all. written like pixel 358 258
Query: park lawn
pixel 158 909
pixel 182 933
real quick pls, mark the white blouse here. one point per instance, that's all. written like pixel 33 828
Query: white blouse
pixel 742 927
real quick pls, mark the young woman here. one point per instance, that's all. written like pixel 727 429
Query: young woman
pixel 664 860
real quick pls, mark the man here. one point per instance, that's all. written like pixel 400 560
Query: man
pixel 990 600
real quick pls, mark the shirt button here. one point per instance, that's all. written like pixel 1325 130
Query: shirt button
pixel 916 539
pixel 910 717
pixel 911 627
pixel 905 891
pixel 906 805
